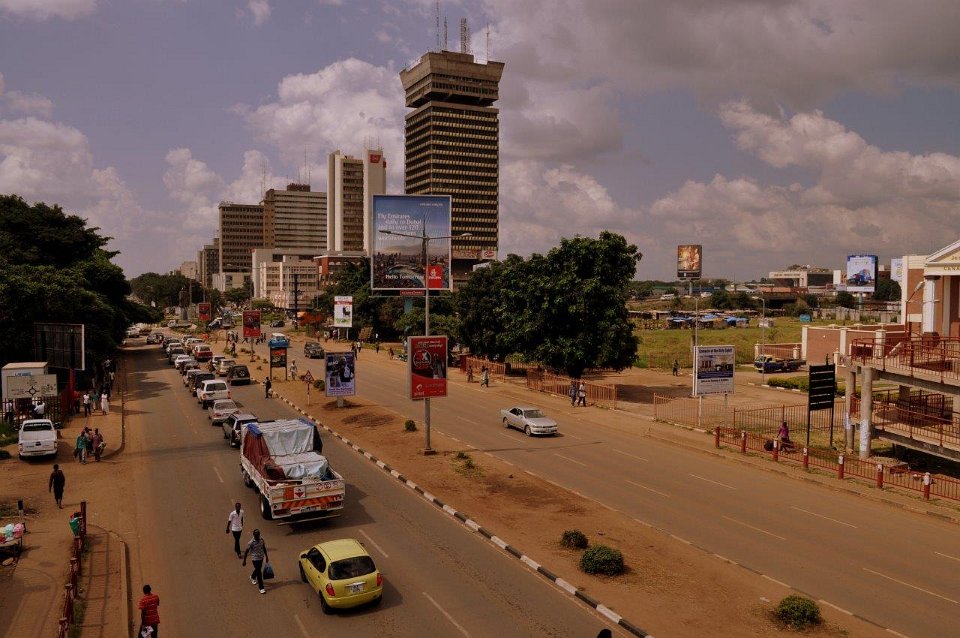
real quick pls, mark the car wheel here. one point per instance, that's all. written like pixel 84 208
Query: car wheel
pixel 265 510
pixel 247 480
pixel 327 609
pixel 303 575
pixel 506 424
pixel 526 430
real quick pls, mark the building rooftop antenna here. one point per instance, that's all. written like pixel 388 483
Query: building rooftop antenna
pixel 446 45
pixel 438 26
pixel 487 52
pixel 464 36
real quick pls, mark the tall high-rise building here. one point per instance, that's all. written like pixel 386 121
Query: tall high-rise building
pixel 352 182
pixel 241 230
pixel 208 262
pixel 295 219
pixel 452 146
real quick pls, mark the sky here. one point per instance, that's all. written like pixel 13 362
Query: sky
pixel 773 132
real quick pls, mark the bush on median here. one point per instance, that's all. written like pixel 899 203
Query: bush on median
pixel 798 612
pixel 601 559
pixel 574 539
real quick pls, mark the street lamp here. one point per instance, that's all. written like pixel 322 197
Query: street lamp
pixel 763 339
pixel 424 240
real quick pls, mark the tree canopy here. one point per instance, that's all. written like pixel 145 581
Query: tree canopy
pixel 566 309
pixel 53 268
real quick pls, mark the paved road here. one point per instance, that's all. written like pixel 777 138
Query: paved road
pixel 892 567
pixel 441 580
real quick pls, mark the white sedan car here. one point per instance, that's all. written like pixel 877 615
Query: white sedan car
pixel 221 409
pixel 529 419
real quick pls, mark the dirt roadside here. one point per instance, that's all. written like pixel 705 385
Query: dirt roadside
pixel 670 588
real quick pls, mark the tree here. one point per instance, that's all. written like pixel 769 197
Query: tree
pixel 566 310
pixel 846 300
pixel 887 290
pixel 237 296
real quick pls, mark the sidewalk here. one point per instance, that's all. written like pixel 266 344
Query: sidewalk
pixel 31 590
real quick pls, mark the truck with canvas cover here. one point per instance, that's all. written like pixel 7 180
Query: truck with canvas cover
pixel 283 461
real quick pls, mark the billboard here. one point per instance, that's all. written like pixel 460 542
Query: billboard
pixel 861 273
pixel 689 261
pixel 203 311
pixel 278 358
pixel 341 379
pixel 251 324
pixel 896 270
pixel 61 345
pixel 427 360
pixel 713 373
pixel 343 311
pixel 399 222
pixel 29 387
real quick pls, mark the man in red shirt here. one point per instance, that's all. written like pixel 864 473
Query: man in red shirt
pixel 149 612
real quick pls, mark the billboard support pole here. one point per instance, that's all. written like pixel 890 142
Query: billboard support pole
pixel 426 333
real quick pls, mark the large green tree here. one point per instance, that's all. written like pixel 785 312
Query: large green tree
pixel 566 309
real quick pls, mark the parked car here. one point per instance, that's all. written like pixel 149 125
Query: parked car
pixel 224 366
pixel 529 419
pixel 342 573
pixel 174 351
pixel 221 409
pixel 37 437
pixel 190 376
pixel 277 323
pixel 181 359
pixel 188 366
pixel 216 324
pixel 202 352
pixel 313 350
pixel 233 424
pixel 238 375
pixel 198 380
pixel 133 332
pixel 280 337
pixel 212 390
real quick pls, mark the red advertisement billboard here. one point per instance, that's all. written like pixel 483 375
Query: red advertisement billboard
pixel 251 324
pixel 427 358
pixel 435 277
pixel 203 311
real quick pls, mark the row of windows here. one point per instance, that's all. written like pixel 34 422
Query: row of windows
pixel 488 127
pixel 442 114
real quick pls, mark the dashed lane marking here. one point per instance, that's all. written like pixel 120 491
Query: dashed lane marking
pixel 447 615
pixel 374 543
pixel 756 529
pixel 649 489
pixel 826 518
pixel 703 478
pixel 911 586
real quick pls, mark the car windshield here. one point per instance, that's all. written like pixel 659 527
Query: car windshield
pixel 352 567
pixel 533 414
pixel 224 405
pixel 36 427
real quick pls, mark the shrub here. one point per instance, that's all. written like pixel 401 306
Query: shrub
pixel 320 384
pixel 574 539
pixel 601 559
pixel 462 456
pixel 410 425
pixel 798 612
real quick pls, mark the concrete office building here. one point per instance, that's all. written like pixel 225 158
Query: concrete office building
pixel 352 182
pixel 241 230
pixel 208 262
pixel 295 219
pixel 266 273
pixel 452 146
pixel 287 281
pixel 189 269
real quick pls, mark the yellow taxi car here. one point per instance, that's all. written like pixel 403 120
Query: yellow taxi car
pixel 342 573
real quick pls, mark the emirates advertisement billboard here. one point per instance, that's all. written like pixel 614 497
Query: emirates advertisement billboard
pixel 204 311
pixel 251 324
pixel 428 367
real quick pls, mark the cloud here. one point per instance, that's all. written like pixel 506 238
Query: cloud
pixel 24 103
pixel 260 10
pixel 46 9
pixel 342 106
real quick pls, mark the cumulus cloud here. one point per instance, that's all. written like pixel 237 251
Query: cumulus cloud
pixel 46 9
pixel 17 102
pixel 260 10
pixel 342 106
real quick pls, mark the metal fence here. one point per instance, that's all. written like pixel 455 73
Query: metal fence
pixel 690 411
pixel 927 358
pixel 71 589
pixel 602 394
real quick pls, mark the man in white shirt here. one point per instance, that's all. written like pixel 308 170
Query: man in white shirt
pixel 235 525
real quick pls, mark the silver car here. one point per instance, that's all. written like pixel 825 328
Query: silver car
pixel 528 419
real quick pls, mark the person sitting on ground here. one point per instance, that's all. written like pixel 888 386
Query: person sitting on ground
pixel 783 435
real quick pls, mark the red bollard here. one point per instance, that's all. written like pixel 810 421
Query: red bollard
pixel 926 486
pixel 716 437
pixel 879 475
pixel 806 459
pixel 840 468
pixel 776 451
pixel 743 441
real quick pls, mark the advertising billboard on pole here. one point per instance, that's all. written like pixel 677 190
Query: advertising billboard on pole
pixel 251 324
pixel 713 372
pixel 343 311
pixel 689 261
pixel 341 374
pixel 896 270
pixel 204 311
pixel 399 223
pixel 861 273
pixel 427 359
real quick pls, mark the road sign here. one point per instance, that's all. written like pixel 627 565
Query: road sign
pixel 30 387
pixel 307 377
pixel 822 387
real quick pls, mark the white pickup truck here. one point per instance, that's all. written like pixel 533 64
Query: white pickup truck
pixel 282 460
pixel 38 437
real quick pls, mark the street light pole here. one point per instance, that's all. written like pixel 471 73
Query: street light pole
pixel 763 339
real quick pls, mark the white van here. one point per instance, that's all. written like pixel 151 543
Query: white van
pixel 38 437
pixel 212 390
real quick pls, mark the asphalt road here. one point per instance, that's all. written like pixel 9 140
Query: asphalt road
pixel 440 579
pixel 895 568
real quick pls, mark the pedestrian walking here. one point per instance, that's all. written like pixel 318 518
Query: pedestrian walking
pixel 80 450
pixel 149 607
pixel 257 550
pixel 582 395
pixel 57 481
pixel 76 402
pixel 98 444
pixel 267 384
pixel 235 525
pixel 293 370
pixel 391 353
pixel 676 368
pixel 484 377
pixel 376 347
pixel 470 373
pixel 86 403
pixel 88 442
pixel 573 393
pixel 105 403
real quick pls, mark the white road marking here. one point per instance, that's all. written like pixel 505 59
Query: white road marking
pixel 649 489
pixel 947 556
pixel 632 456
pixel 374 543
pixel 905 584
pixel 303 629
pixel 573 436
pixel 567 458
pixel 826 518
pixel 756 529
pixel 217 472
pixel 506 435
pixel 840 609
pixel 774 580
pixel 463 418
pixel 697 476
pixel 448 616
